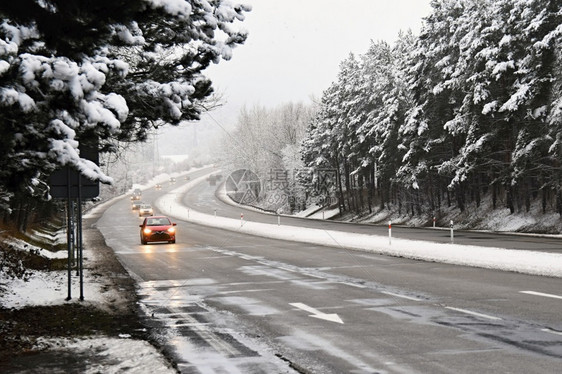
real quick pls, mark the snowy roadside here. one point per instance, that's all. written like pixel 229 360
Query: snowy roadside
pixel 120 353
pixel 526 262
pixel 102 353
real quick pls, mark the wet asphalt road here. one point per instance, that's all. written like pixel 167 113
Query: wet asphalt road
pixel 227 302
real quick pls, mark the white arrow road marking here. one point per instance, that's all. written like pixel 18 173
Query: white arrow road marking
pixel 318 314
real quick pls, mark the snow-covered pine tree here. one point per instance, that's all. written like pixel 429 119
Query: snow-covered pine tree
pixel 72 70
pixel 518 59
pixel 320 150
pixel 539 26
pixel 388 100
pixel 372 90
pixel 466 169
pixel 436 96
pixel 348 109
pixel 554 116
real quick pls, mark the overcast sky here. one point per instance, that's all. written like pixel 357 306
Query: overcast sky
pixel 294 50
pixel 295 47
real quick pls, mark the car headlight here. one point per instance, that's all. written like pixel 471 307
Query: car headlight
pixel 147 230
pixel 172 230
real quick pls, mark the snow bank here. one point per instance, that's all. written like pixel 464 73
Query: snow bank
pixel 24 246
pixel 47 288
pixel 113 355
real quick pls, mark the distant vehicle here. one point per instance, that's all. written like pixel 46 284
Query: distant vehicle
pixel 136 204
pixel 158 186
pixel 172 180
pixel 137 194
pixel 187 178
pixel 145 210
pixel 157 229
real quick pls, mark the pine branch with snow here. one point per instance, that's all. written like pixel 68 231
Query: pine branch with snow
pixel 72 71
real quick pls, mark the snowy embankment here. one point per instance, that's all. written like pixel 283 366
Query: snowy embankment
pixel 44 288
pixel 47 288
pixel 527 262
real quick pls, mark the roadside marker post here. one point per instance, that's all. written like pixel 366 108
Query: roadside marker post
pixel 390 232
pixel 452 232
pixel 433 222
pixel 241 219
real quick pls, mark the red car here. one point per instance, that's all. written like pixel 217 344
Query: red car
pixel 157 229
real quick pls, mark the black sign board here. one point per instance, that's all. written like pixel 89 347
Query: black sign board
pixel 64 182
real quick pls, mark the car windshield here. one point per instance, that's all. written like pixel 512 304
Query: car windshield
pixel 157 222
pixel 145 206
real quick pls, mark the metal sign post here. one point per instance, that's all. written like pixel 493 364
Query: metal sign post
pixel 80 253
pixel 69 237
pixel 68 183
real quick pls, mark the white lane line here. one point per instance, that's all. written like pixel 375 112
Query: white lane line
pixel 353 285
pixel 189 324
pixel 542 294
pixel 473 313
pixel 552 331
pixel 315 276
pixel 401 296
pixel 244 291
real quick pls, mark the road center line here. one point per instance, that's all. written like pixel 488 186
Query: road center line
pixel 473 313
pixel 542 294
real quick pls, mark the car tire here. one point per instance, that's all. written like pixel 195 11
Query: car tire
pixel 172 241
pixel 143 242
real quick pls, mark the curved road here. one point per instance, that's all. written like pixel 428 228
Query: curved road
pixel 222 301
pixel 202 198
